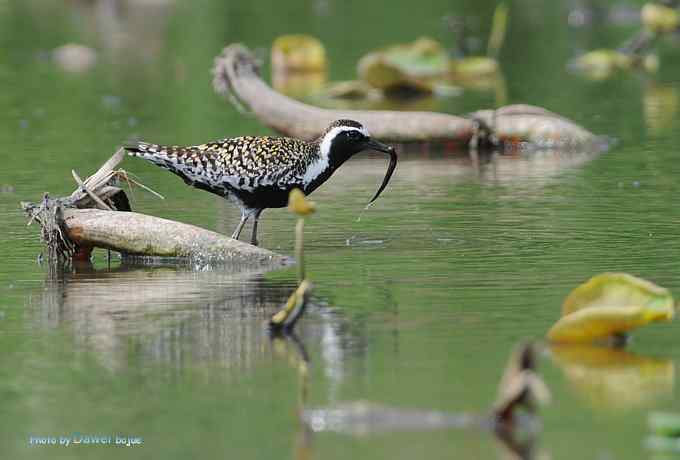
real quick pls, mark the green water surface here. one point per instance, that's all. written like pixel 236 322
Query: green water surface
pixel 418 300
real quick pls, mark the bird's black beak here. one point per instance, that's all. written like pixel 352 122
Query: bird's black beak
pixel 380 147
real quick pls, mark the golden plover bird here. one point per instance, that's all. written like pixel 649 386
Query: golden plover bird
pixel 256 173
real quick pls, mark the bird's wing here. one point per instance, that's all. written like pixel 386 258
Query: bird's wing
pixel 241 162
pixel 254 161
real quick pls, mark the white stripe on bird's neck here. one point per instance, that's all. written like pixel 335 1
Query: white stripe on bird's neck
pixel 321 164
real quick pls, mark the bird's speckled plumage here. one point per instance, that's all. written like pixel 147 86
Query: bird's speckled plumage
pixel 235 164
pixel 258 172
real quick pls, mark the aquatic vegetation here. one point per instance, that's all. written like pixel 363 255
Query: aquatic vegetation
pixel 660 106
pixel 298 65
pixel 664 423
pixel 658 18
pixel 665 428
pixel 298 53
pixel 410 67
pixel 520 388
pixel 424 66
pixel 299 84
pixel 604 63
pixel 285 319
pixel 473 67
pixel 299 205
pixel 634 54
pixel 351 90
pixel 612 378
pixel 609 305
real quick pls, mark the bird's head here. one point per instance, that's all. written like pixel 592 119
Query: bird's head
pixel 344 138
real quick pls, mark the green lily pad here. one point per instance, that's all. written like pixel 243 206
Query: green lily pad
pixel 408 65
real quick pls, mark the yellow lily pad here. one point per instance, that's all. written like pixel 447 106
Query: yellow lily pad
pixel 298 53
pixel 659 18
pixel 601 64
pixel 473 67
pixel 298 84
pixel 610 304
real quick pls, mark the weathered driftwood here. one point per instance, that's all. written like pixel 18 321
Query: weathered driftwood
pixel 71 229
pixel 540 127
pixel 237 75
pixel 139 234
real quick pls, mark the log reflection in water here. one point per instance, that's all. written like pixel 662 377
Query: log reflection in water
pixel 142 316
pixel 420 168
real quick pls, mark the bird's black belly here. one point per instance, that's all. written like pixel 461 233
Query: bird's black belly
pixel 269 196
pixel 262 197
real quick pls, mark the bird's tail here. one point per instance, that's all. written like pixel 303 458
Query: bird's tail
pixel 185 162
pixel 171 158
pixel 153 152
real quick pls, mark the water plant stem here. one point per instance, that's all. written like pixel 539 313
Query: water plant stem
pixel 299 248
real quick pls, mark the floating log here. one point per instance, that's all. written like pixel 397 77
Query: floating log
pixel 70 228
pixel 236 74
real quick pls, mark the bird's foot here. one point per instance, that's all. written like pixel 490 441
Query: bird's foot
pixel 254 242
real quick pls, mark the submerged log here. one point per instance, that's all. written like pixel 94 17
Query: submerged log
pixel 236 74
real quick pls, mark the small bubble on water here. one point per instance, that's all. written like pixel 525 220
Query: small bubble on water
pixel 636 183
pixel 24 124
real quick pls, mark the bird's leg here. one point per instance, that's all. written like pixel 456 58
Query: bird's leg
pixel 256 218
pixel 239 227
